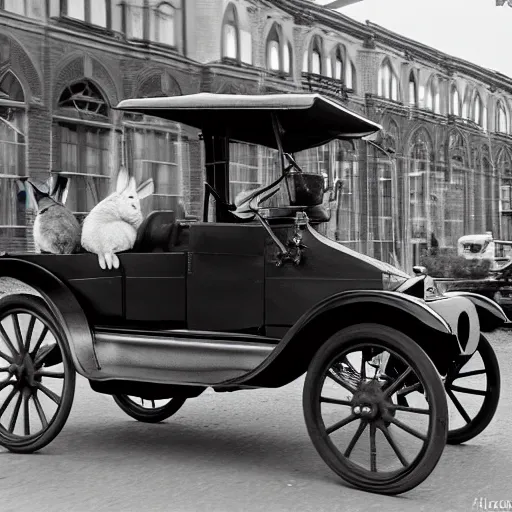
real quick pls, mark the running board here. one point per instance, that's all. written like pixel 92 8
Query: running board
pixel 177 357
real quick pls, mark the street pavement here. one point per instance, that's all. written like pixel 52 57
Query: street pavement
pixel 242 451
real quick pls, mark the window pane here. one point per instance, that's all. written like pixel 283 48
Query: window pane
pixel 287 59
pixel 230 49
pixel 349 81
pixel 394 88
pixel 76 9
pixel 412 92
pixel 16 6
pixel 305 66
pixel 135 22
pixel 455 103
pixel 98 12
pixel 316 62
pixel 328 67
pixel 165 25
pixel 338 69
pixel 273 55
pixel 36 9
pixel 12 142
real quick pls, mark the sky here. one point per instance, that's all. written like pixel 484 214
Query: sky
pixel 474 30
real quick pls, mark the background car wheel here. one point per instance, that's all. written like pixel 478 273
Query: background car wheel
pixel 149 411
pixel 351 388
pixel 473 389
pixel 37 377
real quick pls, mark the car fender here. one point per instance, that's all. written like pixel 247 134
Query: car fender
pixel 297 345
pixel 63 305
pixel 490 314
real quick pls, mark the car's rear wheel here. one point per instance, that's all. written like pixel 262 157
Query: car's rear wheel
pixel 149 411
pixel 37 377
pixel 473 389
pixel 359 371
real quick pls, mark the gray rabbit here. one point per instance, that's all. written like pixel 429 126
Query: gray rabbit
pixel 56 230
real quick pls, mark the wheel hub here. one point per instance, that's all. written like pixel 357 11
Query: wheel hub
pixel 369 402
pixel 24 371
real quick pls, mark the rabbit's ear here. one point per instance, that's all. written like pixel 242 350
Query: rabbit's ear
pixel 146 189
pixel 123 180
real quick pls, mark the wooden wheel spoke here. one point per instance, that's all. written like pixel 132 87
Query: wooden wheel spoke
pixel 153 404
pixel 363 366
pixel 359 432
pixel 394 446
pixel 340 424
pixel 409 389
pixel 42 336
pixel 459 406
pixel 6 357
pixel 393 387
pixel 40 411
pixel 51 375
pixel 470 374
pixel 14 416
pixel 3 385
pixel 30 330
pixel 49 393
pixel 405 408
pixel 7 401
pixel 5 369
pixel 26 415
pixel 406 428
pixel 340 381
pixel 468 391
pixel 373 448
pixel 17 332
pixel 335 401
pixel 7 341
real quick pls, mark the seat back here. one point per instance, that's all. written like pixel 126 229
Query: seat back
pixel 155 234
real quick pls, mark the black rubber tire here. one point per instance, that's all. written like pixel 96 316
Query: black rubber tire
pixel 27 303
pixel 417 359
pixel 490 402
pixel 155 415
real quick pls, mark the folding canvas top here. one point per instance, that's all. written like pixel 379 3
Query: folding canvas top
pixel 305 120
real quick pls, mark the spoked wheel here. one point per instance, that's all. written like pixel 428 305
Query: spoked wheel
pixel 149 411
pixel 473 389
pixel 37 377
pixel 351 389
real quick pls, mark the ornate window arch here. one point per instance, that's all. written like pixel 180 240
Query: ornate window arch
pixel 231 34
pixel 501 118
pixel 279 51
pixel 455 101
pixel 84 145
pixel 434 95
pixel 164 24
pixel 477 110
pixel 315 57
pixel 413 89
pixel 387 81
pixel 13 158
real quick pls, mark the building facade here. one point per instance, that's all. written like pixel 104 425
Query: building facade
pixel 441 168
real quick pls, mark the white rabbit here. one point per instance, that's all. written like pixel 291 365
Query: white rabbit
pixel 112 224
pixel 56 230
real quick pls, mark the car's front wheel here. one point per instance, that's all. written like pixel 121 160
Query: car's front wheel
pixel 353 416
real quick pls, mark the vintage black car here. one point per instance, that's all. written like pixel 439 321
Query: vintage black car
pixel 252 296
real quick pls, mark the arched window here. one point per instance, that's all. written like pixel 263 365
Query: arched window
pixel 505 172
pixel 230 34
pixel 477 110
pixel 83 142
pixel 465 108
pixel 455 101
pixel 337 68
pixel 388 81
pixel 502 119
pixel 316 56
pixel 12 160
pixel 274 49
pixel 413 96
pixel 164 24
pixel 434 96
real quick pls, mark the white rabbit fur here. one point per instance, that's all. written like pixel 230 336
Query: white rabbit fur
pixel 112 224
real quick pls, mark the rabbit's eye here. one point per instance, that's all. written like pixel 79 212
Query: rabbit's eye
pixel 130 197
